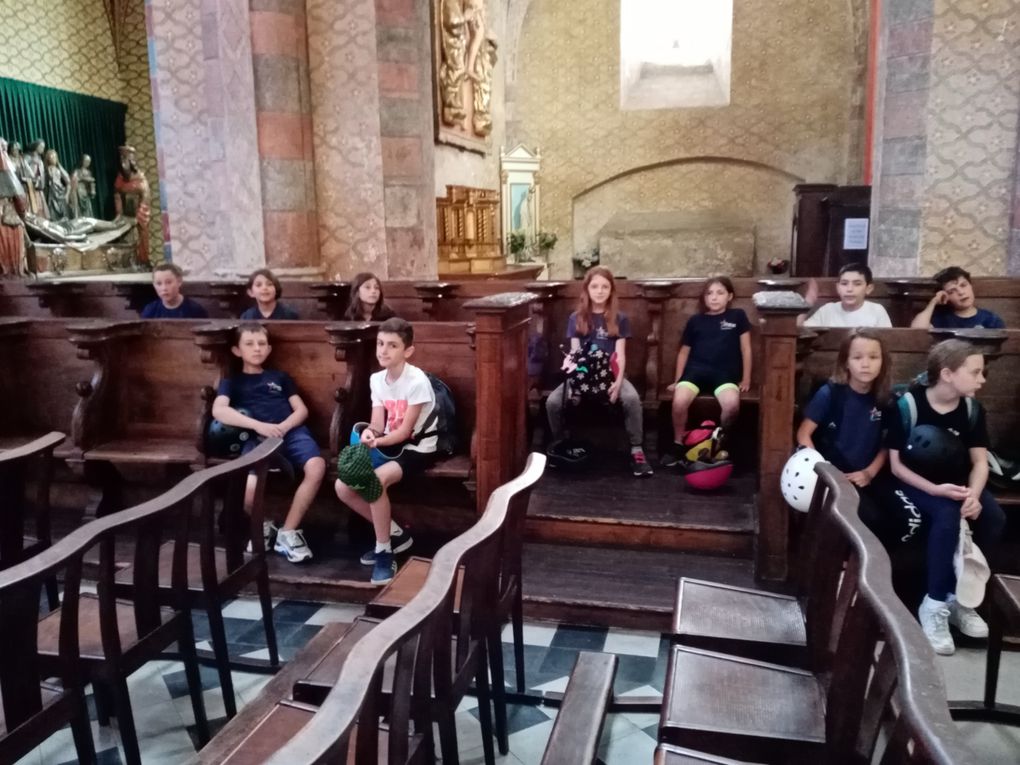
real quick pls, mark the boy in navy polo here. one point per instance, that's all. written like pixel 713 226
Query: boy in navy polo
pixel 953 306
pixel 167 279
pixel 277 411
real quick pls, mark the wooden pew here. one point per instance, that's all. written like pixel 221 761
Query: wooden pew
pixel 574 739
pixel 883 676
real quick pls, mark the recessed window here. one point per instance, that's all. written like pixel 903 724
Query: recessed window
pixel 675 53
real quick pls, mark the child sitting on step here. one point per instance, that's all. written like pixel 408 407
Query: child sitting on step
pixel 599 322
pixel 714 357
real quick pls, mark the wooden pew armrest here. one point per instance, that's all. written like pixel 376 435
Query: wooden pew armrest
pixel 575 735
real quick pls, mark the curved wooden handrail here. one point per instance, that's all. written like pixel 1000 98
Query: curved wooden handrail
pixel 89 534
pixel 322 738
pixel 38 446
pixel 920 690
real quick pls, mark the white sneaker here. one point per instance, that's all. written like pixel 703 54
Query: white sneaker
pixel 934 617
pixel 293 545
pixel 269 530
pixel 966 619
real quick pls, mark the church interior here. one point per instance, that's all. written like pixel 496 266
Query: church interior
pixel 510 381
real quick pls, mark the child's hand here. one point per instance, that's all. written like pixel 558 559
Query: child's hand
pixel 859 478
pixel 614 391
pixel 368 438
pixel 811 293
pixel 269 430
pixel 745 385
pixel 971 507
pixel 952 491
pixel 939 298
pixel 671 387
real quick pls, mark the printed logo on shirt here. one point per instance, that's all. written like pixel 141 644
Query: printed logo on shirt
pixel 954 431
pixel 274 387
pixel 876 414
pixel 602 333
pixel 395 413
pixel 727 324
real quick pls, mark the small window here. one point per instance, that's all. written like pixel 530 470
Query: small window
pixel 675 53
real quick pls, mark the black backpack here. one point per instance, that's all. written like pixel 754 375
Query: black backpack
pixel 442 420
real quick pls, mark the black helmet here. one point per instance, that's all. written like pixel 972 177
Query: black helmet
pixel 936 454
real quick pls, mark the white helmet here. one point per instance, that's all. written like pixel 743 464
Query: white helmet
pixel 799 478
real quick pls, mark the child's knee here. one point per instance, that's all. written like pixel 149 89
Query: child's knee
pixel 315 469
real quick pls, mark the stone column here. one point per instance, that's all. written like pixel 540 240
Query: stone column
pixel 283 105
pixel 204 111
pixel 946 140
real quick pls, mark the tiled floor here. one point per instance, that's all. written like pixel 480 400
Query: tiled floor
pixel 164 718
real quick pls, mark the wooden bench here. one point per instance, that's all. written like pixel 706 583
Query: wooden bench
pixel 882 678
pixel 575 736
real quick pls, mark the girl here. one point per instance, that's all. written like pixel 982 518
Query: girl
pixel 366 303
pixel 955 373
pixel 715 355
pixel 598 321
pixel 266 290
pixel 844 423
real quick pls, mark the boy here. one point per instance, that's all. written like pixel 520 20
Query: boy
pixel 402 405
pixel 853 309
pixel 167 279
pixel 952 306
pixel 948 492
pixel 277 411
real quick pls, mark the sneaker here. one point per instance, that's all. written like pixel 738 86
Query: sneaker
pixel 293 545
pixel 674 455
pixel 934 617
pixel 399 542
pixel 638 464
pixel 966 619
pixel 385 568
pixel 269 530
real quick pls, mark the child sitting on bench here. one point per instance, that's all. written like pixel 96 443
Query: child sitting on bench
pixel 265 289
pixel 954 305
pixel 366 301
pixel 403 437
pixel 167 279
pixel 276 411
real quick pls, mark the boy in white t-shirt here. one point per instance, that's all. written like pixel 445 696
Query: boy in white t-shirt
pixel 853 309
pixel 403 430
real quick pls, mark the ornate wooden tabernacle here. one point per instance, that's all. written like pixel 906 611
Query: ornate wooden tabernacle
pixel 467 224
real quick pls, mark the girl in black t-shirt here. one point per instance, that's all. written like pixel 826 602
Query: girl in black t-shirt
pixel 366 302
pixel 714 357
pixel 955 373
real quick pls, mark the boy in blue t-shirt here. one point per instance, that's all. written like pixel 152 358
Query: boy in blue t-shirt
pixel 276 411
pixel 167 279
pixel 953 306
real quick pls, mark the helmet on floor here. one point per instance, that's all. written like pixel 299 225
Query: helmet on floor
pixel 936 454
pixel 226 440
pixel 702 443
pixel 708 476
pixel 798 479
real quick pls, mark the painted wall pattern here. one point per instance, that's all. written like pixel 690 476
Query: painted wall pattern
pixel 972 113
pixel 788 109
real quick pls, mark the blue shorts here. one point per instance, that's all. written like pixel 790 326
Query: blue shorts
pixel 298 447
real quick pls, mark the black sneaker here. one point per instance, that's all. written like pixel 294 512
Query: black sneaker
pixel 398 542
pixel 639 464
pixel 674 455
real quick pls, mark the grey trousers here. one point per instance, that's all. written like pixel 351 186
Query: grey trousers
pixel 633 413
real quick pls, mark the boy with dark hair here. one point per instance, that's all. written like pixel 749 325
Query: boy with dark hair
pixel 402 436
pixel 266 290
pixel 953 306
pixel 854 284
pixel 167 279
pixel 277 411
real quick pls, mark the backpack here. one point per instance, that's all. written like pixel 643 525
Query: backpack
pixel 442 420
pixel 590 375
pixel 906 405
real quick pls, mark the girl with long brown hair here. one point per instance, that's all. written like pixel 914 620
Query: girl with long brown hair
pixel 366 302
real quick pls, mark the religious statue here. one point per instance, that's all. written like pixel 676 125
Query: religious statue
pixel 131 201
pixel 34 179
pixel 453 69
pixel 481 75
pixel 58 186
pixel 12 210
pixel 83 189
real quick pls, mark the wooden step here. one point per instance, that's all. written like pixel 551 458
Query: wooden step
pixel 619 588
pixel 611 507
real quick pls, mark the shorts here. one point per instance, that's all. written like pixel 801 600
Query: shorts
pixel 411 462
pixel 298 447
pixel 699 380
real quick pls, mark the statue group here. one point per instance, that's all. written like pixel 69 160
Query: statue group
pixel 467 61
pixel 38 197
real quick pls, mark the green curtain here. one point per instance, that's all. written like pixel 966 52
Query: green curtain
pixel 72 123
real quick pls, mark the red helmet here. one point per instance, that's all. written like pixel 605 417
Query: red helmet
pixel 708 476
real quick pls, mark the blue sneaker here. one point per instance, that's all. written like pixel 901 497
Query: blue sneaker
pixel 399 542
pixel 385 568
